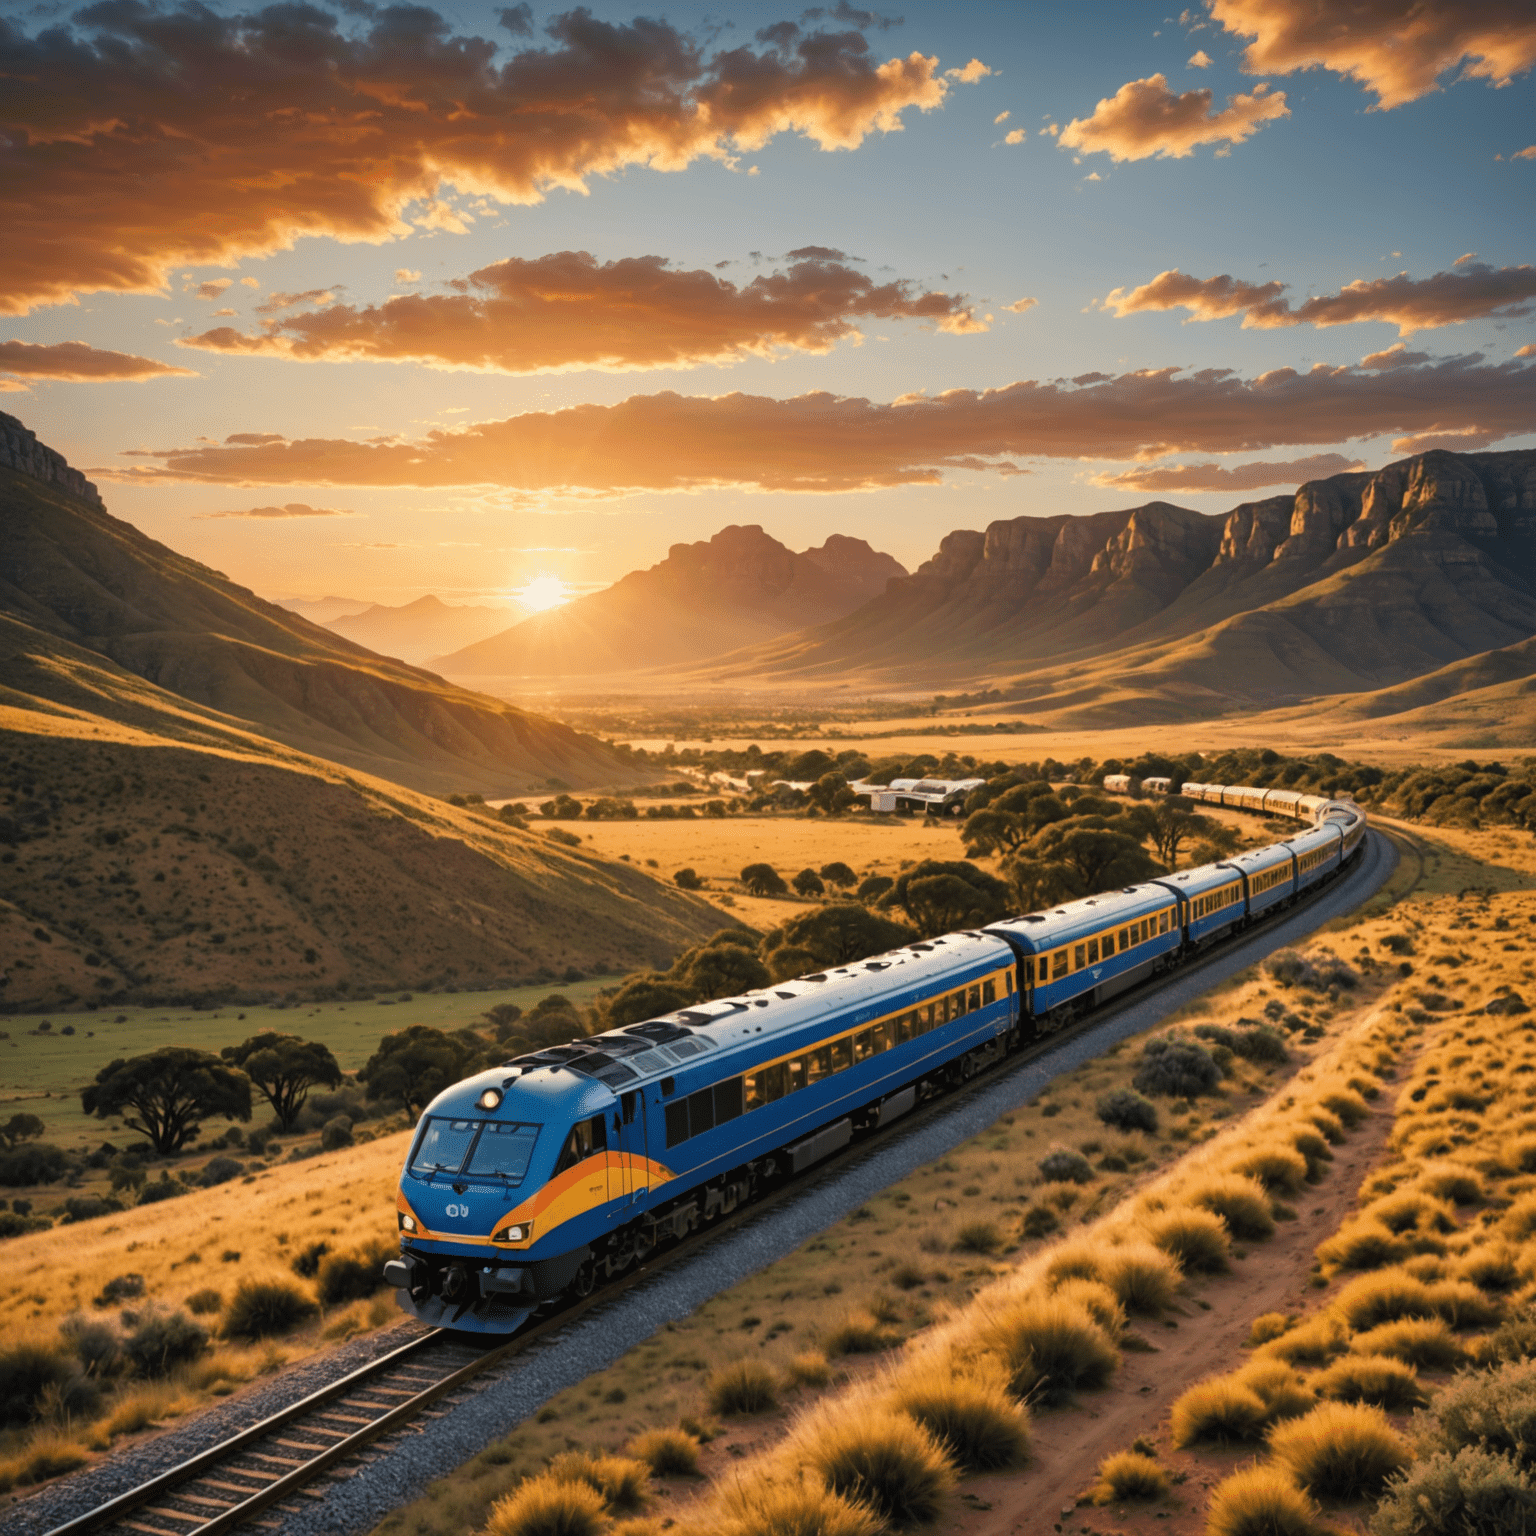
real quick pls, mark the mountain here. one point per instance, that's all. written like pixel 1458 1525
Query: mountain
pixel 321 610
pixel 80 589
pixel 418 631
pixel 739 587
pixel 1358 582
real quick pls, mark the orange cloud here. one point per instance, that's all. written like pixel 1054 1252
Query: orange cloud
pixel 1144 118
pixel 1398 49
pixel 823 442
pixel 290 509
pixel 567 310
pixel 1472 291
pixel 139 140
pixel 1218 477
pixel 76 362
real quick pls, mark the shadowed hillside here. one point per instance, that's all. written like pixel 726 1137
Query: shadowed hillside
pixel 738 587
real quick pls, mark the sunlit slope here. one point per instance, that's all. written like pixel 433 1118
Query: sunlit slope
pixel 75 574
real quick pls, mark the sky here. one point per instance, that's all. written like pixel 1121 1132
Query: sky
pixel 380 301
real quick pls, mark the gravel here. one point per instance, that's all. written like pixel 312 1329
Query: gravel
pixel 498 1401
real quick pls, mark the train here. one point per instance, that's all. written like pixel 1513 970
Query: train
pixel 567 1166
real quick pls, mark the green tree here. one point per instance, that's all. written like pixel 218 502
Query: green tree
pixel 561 808
pixel 808 766
pixel 831 794
pixel 836 934
pixel 791 961
pixel 838 874
pixel 503 1019
pixel 808 883
pixel 167 1094
pixel 414 1065
pixel 943 903
pixel 763 880
pixel 1101 858
pixel 687 880
pixel 873 887
pixel 992 831
pixel 989 902
pixel 284 1068
pixel 645 997
pixel 20 1128
pixel 724 970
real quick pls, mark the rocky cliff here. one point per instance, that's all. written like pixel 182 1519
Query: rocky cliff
pixel 21 451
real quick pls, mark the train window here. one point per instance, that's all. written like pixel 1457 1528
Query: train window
pixel 701 1111
pixel 795 1077
pixel 627 1105
pixel 1093 951
pixel 1162 921
pixel 502 1151
pixel 1079 956
pixel 818 1064
pixel 1008 977
pixel 1109 945
pixel 1058 965
pixel 842 1054
pixel 727 1100
pixel 677 1122
pixel 1045 969
pixel 774 1080
pixel 667 1085
pixel 587 1137
pixel 1127 938
pixel 989 992
pixel 444 1146
pixel 752 1084
pixel 880 1038
pixel 973 999
pixel 863 1047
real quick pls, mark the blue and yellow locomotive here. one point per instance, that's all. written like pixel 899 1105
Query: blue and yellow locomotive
pixel 569 1165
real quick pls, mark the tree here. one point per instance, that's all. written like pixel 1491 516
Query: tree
pixel 687 880
pixel 791 961
pixel 284 1069
pixel 873 887
pixel 989 903
pixel 645 997
pixel 809 766
pixel 838 874
pixel 1100 857
pixel 943 903
pixel 763 880
pixel 808 883
pixel 503 1019
pixel 167 1094
pixel 724 970
pixel 561 808
pixel 836 934
pixel 831 794
pixel 20 1128
pixel 416 1064
pixel 992 831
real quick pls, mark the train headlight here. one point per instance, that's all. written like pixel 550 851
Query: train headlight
pixel 407 1223
pixel 490 1099
pixel 514 1234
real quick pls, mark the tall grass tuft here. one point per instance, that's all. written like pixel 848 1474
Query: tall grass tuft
pixel 1095 1298
pixel 1128 1475
pixel 1451 1181
pixel 809 1369
pixel 620 1480
pixel 1142 1276
pixel 1424 1342
pixel 1280 1170
pixel 1262 1501
pixel 1285 1395
pixel 859 1334
pixel 1340 1450
pixel 49 1453
pixel 1383 1297
pixel 886 1461
pixel 667 1452
pixel 971 1416
pixel 743 1387
pixel 1463 1305
pixel 1077 1259
pixel 1196 1238
pixel 761 1508
pixel 264 1307
pixel 1347 1105
pixel 549 1506
pixel 1375 1379
pixel 1363 1243
pixel 1313 1146
pixel 1495 1268
pixel 1240 1202
pixel 1051 1348
pixel 1220 1410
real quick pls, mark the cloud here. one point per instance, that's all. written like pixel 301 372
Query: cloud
pixel 277 302
pixel 77 362
pixel 1528 350
pixel 407 275
pixel 1218 477
pixel 249 282
pixel 1474 292
pixel 215 288
pixel 1019 306
pixel 1528 153
pixel 1398 49
pixel 972 72
pixel 1463 259
pixel 1014 136
pixel 1144 118
pixel 1200 59
pixel 220 312
pixel 567 310
pixel 1001 118
pixel 140 140
pixel 292 509
pixel 1395 356
pixel 824 442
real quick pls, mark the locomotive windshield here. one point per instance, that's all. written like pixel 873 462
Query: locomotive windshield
pixel 482 1149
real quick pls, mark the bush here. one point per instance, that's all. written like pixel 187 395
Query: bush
pixel 1313 1342
pixel 1176 1068
pixel 163 1340
pixel 809 1369
pixel 884 1461
pixel 306 1262
pixel 27 1371
pixel 1462 1305
pixel 745 1387
pixel 620 1481
pixel 1143 1277
pixel 667 1452
pixel 859 1334
pixel 761 1508
pixel 1476 1491
pixel 1197 1238
pixel 1372 1379
pixel 1128 1475
pixel 545 1506
pixel 1412 1210
pixel 1280 1170
pixel 1062 1165
pixel 345 1277
pixel 1383 1297
pixel 1513 1339
pixel 1221 1409
pixel 1347 1105
pixel 1313 1146
pixel 971 1418
pixel 1451 1181
pixel 265 1307
pixel 95 1345
pixel 809 883
pixel 763 880
pixel 1097 1300
pixel 1363 1243
pixel 1495 1268
pixel 205 1302
pixel 120 1288
pixel 1268 1326
pixel 1261 1501
pixel 1258 1043
pixel 1284 1394
pixel 1496 1409
pixel 978 1237
pixel 1340 1450
pixel 1240 1202
pixel 1126 1110
pixel 1052 1347
pixel 336 1133
pixel 1424 1342
pixel 220 1170
pixel 163 1188
pixel 687 879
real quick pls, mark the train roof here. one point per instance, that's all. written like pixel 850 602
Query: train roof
pixel 1260 858
pixel 1197 881
pixel 1038 931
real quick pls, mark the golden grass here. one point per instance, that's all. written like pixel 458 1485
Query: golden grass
pixel 808 1369
pixel 1340 1450
pixel 139 1408
pixel 1313 1342
pixel 1383 1296
pixel 883 1460
pixel 1281 1170
pixel 969 1414
pixel 620 1480
pixel 1196 1239
pixel 1374 1379
pixel 547 1506
pixel 793 1507
pixel 743 1387
pixel 1240 1202
pixel 1268 1326
pixel 49 1453
pixel 1424 1342
pixel 1220 1411
pixel 1262 1501
pixel 1142 1277
pixel 859 1333
pixel 1128 1476
pixel 667 1452
pixel 1050 1347
pixel 1095 1298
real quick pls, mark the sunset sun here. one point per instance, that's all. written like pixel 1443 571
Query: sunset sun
pixel 541 592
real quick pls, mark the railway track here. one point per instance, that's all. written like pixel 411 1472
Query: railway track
pixel 270 1468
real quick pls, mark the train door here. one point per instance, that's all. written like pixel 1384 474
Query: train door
pixel 633 1161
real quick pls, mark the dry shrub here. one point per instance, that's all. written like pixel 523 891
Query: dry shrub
pixel 970 1416
pixel 1375 1379
pixel 743 1387
pixel 859 1334
pixel 219 1373
pixel 1383 1297
pixel 1424 1342
pixel 344 1277
pixel 1519 1221
pixel 1143 1277
pixel 1241 1203
pixel 1495 1409
pixel 667 1452
pixel 265 1307
pixel 1327 1122
pixel 1347 1105
pixel 761 1508
pixel 203 1303
pixel 1340 1450
pixel 160 1341
pixel 1476 1490
pixel 1262 1501
pixel 619 1480
pixel 138 1409
pixel 809 1369
pixel 1313 1146
pixel 1496 1268
pixel 1280 1170
pixel 1313 1342
pixel 49 1453
pixel 1462 1305
pixel 884 1461
pixel 28 1369
pixel 549 1506
pixel 1268 1326
pixel 1196 1238
pixel 1098 1301
pixel 1128 1475
pixel 1051 1347
pixel 1451 1181
pixel 1221 1409
pixel 1076 1259
pixel 1363 1243
pixel 1283 1392
pixel 1412 1210
pixel 1513 1339
pixel 978 1237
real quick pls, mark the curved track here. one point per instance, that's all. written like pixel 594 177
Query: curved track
pixel 266 1470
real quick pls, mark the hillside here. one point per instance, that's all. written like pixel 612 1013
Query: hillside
pixel 739 587
pixel 76 582
pixel 416 632
pixel 1358 582
pixel 140 870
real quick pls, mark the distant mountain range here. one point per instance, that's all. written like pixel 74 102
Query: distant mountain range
pixel 416 632
pixel 739 587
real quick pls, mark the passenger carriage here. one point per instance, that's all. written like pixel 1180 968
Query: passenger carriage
pixel 1211 900
pixel 1269 876
pixel 1319 853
